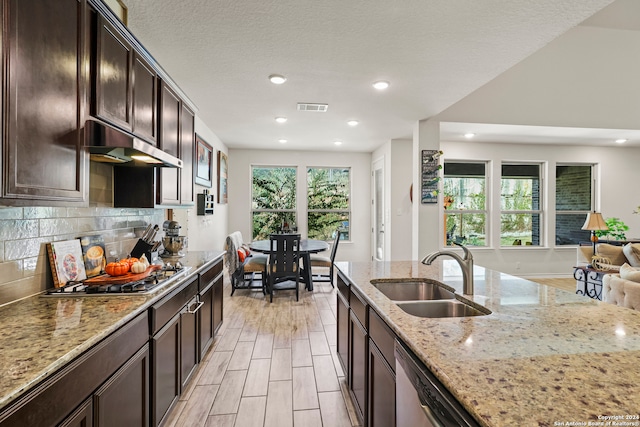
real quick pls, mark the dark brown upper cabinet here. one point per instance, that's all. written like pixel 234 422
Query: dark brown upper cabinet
pixel 44 103
pixel 143 99
pixel 162 187
pixel 113 76
pixel 169 179
pixel 125 85
pixel 187 155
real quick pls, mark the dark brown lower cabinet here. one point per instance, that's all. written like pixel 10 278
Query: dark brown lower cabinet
pixel 210 315
pixel 342 317
pixel 189 350
pixel 358 366
pixel 165 377
pixel 382 390
pixel 205 320
pixel 81 417
pixel 218 309
pixel 174 347
pixel 124 399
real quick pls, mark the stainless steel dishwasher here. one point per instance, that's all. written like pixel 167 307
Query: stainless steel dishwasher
pixel 421 400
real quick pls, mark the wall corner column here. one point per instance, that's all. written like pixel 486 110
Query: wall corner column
pixel 426 219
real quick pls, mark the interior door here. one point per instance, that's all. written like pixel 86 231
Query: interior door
pixel 378 208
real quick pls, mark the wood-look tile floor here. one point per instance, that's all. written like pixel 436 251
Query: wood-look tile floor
pixel 565 283
pixel 272 364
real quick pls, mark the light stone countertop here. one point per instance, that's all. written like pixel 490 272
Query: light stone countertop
pixel 39 335
pixel 543 357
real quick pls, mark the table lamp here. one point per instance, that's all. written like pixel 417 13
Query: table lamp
pixel 593 223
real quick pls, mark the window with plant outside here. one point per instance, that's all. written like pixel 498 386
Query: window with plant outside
pixel 273 200
pixel 328 202
pixel 574 199
pixel 464 187
pixel 520 204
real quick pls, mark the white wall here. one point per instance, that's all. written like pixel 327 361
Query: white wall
pixel 240 162
pixel 206 232
pixel 617 179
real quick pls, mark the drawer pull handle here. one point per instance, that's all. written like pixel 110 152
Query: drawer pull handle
pixel 199 306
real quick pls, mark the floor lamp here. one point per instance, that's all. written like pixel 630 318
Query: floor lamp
pixel 593 223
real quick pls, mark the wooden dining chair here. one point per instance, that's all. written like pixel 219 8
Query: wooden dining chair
pixel 283 271
pixel 325 262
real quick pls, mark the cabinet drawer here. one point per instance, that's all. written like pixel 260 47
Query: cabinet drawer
pixel 383 336
pixel 359 307
pixel 169 306
pixel 208 276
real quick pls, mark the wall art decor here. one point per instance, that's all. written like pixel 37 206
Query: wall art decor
pixel 430 167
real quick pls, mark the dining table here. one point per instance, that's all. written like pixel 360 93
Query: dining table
pixel 307 247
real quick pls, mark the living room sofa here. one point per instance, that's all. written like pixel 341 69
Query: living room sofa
pixel 622 289
pixel 589 272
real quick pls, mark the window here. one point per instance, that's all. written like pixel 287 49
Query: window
pixel 464 186
pixel 520 204
pixel 328 202
pixel 574 199
pixel 273 200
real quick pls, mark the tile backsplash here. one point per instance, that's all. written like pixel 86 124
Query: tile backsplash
pixel 24 232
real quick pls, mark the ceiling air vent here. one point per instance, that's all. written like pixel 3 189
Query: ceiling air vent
pixel 319 108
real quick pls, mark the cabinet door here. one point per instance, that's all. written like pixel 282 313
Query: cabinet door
pixel 81 417
pixel 205 322
pixel 169 178
pixel 124 399
pixel 342 314
pixel 165 376
pixel 144 105
pixel 382 390
pixel 187 150
pixel 113 72
pixel 217 304
pixel 44 160
pixel 358 365
pixel 189 341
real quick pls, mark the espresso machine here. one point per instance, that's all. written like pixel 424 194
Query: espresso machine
pixel 173 242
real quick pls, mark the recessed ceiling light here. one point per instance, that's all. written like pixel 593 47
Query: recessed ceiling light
pixel 281 119
pixel 621 141
pixel 277 79
pixel 352 123
pixel 338 142
pixel 282 141
pixel 381 85
pixel 469 135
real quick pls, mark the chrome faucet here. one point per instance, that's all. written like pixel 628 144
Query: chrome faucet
pixel 466 265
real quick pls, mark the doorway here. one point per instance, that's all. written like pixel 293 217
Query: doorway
pixel 378 209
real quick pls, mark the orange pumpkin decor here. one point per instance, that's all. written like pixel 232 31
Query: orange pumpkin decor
pixel 117 268
pixel 131 260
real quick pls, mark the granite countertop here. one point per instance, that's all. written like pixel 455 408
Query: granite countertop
pixel 543 357
pixel 41 334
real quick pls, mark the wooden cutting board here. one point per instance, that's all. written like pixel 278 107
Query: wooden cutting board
pixel 105 279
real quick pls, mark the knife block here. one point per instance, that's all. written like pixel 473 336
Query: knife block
pixel 143 247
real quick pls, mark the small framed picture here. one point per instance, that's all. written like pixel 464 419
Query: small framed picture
pixel 223 173
pixel 204 163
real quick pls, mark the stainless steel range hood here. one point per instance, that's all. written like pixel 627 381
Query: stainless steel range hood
pixel 108 144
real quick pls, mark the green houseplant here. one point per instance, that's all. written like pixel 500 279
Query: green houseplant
pixel 616 230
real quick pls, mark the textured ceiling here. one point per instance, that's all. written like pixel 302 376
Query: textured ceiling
pixel 435 52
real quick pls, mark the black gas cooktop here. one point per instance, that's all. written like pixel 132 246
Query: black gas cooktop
pixel 155 280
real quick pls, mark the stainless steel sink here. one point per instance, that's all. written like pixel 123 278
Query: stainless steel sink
pixel 411 291
pixel 441 308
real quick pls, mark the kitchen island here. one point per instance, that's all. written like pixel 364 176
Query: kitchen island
pixel 543 357
pixel 43 337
